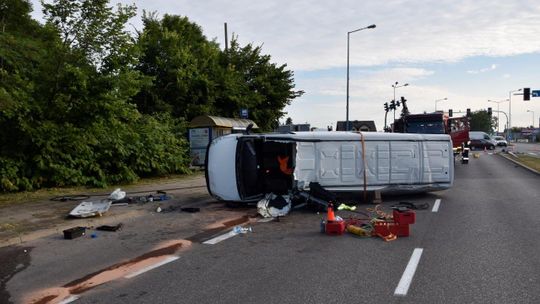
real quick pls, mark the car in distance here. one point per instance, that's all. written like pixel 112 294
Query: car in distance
pixel 481 144
pixel 500 141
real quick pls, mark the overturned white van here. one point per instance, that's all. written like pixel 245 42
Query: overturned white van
pixel 242 167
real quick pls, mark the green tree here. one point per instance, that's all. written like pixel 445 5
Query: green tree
pixel 482 121
pixel 183 65
pixel 65 101
pixel 257 84
pixel 288 121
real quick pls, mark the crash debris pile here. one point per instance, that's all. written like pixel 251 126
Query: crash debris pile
pixel 374 223
pixel 97 207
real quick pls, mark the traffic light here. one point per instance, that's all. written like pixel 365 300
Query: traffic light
pixel 392 105
pixel 450 112
pixel 386 106
pixel 489 111
pixel 527 94
pixel 468 112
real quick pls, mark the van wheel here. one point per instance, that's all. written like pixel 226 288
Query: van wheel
pixel 492 147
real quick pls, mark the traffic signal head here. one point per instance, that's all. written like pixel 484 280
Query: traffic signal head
pixel 489 111
pixel 527 94
pixel 450 113
pixel 386 106
pixel 392 105
pixel 468 112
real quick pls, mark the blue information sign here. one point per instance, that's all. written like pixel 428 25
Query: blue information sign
pixel 535 93
pixel 244 113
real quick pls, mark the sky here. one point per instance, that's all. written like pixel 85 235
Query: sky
pixel 468 52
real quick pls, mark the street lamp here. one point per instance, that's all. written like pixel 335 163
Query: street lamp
pixel 533 116
pixel 348 38
pixel 510 108
pixel 438 101
pixel 395 86
pixel 498 112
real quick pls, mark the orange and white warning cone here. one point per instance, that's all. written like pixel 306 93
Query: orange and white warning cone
pixel 330 216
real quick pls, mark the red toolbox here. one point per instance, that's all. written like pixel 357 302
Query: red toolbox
pixel 404 217
pixel 335 227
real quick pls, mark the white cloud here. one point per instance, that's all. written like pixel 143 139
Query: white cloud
pixel 491 68
pixel 310 35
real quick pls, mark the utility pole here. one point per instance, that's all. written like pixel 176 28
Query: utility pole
pixel 226 38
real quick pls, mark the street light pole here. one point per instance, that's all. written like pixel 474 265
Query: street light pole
pixel 395 86
pixel 348 40
pixel 498 112
pixel 510 109
pixel 438 101
pixel 533 117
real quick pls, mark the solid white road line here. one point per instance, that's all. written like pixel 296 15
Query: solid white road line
pixel 220 238
pixel 408 274
pixel 69 299
pixel 436 205
pixel 145 269
pixel 265 220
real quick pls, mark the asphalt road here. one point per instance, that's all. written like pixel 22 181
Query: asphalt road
pixel 481 246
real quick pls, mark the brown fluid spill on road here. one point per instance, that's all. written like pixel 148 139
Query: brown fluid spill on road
pixel 55 295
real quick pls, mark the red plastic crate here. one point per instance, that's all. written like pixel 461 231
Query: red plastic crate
pixel 404 217
pixel 385 228
pixel 335 227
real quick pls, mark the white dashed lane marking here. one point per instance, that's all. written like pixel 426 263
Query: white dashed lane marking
pixel 408 274
pixel 436 205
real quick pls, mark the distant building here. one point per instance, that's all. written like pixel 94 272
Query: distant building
pixel 293 128
pixel 357 125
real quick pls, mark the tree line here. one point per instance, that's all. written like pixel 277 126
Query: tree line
pixel 83 101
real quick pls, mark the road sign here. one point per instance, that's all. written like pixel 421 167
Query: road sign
pixel 244 113
pixel 535 93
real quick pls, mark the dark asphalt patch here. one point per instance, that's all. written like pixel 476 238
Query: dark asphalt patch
pixel 13 260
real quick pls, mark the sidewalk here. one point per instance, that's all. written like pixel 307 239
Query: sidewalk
pixel 37 218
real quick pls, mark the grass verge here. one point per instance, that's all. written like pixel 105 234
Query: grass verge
pixel 529 161
pixel 48 193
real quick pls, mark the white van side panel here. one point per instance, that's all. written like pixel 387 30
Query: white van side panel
pixel 339 164
pixel 405 162
pixel 436 164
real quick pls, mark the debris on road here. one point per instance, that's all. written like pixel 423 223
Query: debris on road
pixel 240 229
pixel 74 232
pixel 190 209
pixel 117 195
pixel 273 205
pixel 90 209
pixel 110 228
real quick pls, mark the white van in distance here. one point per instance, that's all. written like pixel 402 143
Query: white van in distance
pixel 244 168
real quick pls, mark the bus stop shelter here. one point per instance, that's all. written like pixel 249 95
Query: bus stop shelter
pixel 203 129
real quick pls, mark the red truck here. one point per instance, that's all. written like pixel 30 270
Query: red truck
pixel 436 123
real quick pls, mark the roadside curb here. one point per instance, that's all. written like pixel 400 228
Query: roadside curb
pixel 520 164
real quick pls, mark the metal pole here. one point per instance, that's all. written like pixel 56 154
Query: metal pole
pixel 226 39
pixel 498 118
pixel 347 116
pixel 348 38
pixel 394 121
pixel 510 113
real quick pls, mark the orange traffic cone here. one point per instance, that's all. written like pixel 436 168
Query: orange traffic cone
pixel 330 217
